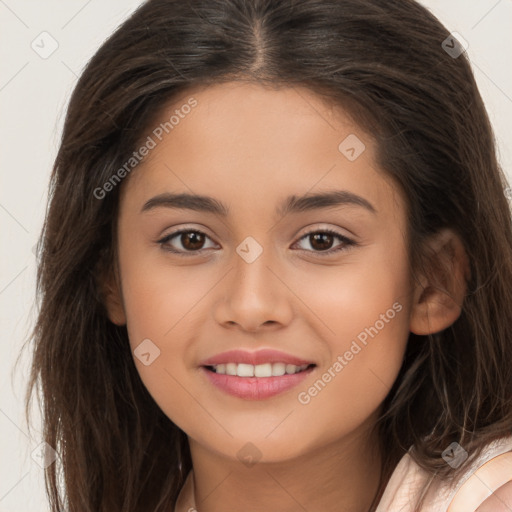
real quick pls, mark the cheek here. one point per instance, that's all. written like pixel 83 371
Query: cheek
pixel 365 317
pixel 164 314
pixel 160 299
pixel 366 357
pixel 349 299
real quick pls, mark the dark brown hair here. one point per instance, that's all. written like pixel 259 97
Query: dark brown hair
pixel 382 61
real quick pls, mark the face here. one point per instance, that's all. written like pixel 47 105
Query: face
pixel 260 265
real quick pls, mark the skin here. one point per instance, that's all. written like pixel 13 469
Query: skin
pixel 499 501
pixel 250 147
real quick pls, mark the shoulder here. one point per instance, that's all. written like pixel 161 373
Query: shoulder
pixel 488 488
pixel 486 482
pixel 499 501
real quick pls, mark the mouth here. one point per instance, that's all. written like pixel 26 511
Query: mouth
pixel 256 382
pixel 264 370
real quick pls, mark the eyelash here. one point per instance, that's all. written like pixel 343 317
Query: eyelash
pixel 347 242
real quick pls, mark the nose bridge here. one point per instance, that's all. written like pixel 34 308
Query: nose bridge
pixel 252 262
pixel 253 294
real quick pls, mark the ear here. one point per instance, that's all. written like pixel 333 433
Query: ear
pixel 438 295
pixel 112 299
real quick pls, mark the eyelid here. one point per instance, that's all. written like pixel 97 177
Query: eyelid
pixel 347 243
pixel 163 240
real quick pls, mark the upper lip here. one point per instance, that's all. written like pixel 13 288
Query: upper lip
pixel 259 357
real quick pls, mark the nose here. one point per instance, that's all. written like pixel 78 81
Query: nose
pixel 254 296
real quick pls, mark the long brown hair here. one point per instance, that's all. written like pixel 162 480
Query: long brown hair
pixel 383 61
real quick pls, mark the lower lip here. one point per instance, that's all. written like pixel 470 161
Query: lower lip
pixel 256 388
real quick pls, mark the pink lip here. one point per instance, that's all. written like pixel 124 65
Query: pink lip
pixel 254 358
pixel 255 388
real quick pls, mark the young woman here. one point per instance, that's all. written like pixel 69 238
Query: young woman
pixel 276 266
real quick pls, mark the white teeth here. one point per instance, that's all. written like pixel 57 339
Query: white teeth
pixel 291 368
pixel 245 370
pixel 262 370
pixel 278 369
pixel 230 369
pixel 259 370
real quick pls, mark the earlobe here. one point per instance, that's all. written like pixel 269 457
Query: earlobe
pixel 112 300
pixel 438 296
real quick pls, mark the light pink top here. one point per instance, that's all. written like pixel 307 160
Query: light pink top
pixel 403 492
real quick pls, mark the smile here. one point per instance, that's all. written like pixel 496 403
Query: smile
pixel 260 370
pixel 256 382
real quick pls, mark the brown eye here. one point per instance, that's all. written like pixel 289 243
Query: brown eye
pixel 321 241
pixel 191 241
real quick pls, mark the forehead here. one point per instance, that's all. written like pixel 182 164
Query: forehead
pixel 251 145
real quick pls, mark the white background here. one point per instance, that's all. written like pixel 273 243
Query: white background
pixel 33 96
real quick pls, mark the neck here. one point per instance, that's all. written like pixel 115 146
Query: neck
pixel 340 476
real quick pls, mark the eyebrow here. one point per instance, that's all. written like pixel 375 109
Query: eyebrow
pixel 292 204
